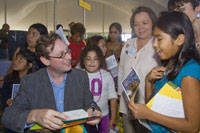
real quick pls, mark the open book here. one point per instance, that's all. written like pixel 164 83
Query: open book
pixel 76 117
pixel 130 85
pixel 168 101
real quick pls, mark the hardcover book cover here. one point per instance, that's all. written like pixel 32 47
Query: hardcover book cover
pixel 130 85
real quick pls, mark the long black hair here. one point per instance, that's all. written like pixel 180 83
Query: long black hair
pixel 30 58
pixel 94 40
pixel 176 23
pixel 118 27
pixel 42 29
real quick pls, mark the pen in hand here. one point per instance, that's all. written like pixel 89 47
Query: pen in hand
pixel 93 113
pixel 93 109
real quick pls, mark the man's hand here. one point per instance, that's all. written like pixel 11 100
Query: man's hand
pixel 47 118
pixel 90 114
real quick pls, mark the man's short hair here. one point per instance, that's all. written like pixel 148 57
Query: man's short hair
pixel 176 4
pixel 43 43
pixel 78 28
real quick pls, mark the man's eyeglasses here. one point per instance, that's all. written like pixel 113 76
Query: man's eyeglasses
pixel 62 54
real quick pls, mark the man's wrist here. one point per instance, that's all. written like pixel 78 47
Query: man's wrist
pixel 31 117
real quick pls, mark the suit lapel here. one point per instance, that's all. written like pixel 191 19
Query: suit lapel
pixel 48 90
pixel 68 87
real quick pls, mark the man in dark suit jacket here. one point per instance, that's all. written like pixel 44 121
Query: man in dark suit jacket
pixel 43 95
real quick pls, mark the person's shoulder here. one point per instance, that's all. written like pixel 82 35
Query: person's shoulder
pixel 191 68
pixel 36 75
pixel 105 73
pixel 191 64
pixel 77 72
pixel 130 42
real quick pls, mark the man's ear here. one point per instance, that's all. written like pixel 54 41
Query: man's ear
pixel 44 60
pixel 180 40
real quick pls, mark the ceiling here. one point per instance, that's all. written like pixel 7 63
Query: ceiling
pixel 22 13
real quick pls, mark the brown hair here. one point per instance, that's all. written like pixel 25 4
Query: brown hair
pixel 118 27
pixel 94 40
pixel 97 50
pixel 78 28
pixel 43 42
pixel 140 9
pixel 173 4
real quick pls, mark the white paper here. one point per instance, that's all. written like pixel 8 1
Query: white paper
pixel 76 114
pixel 111 62
pixel 168 106
pixel 15 90
pixel 145 124
pixel 62 35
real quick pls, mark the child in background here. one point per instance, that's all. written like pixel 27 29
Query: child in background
pixel 114 44
pixel 24 63
pixel 114 47
pixel 76 42
pixel 101 85
pixel 175 44
pixel 99 41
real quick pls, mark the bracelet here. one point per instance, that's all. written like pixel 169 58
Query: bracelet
pixel 113 123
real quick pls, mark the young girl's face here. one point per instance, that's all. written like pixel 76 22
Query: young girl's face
pixel 165 46
pixel 77 38
pixel 102 46
pixel 114 34
pixel 20 64
pixel 91 62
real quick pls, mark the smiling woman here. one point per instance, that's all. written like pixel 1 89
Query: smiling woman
pixel 135 53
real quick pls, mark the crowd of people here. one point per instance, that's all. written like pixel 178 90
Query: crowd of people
pixel 55 77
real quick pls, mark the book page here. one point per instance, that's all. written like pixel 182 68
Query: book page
pixel 76 114
pixel 145 124
pixel 111 62
pixel 168 106
pixel 62 35
pixel 15 89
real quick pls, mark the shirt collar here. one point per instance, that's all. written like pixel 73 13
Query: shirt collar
pixel 65 77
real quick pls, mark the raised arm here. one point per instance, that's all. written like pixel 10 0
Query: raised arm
pixel 13 59
pixel 155 74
